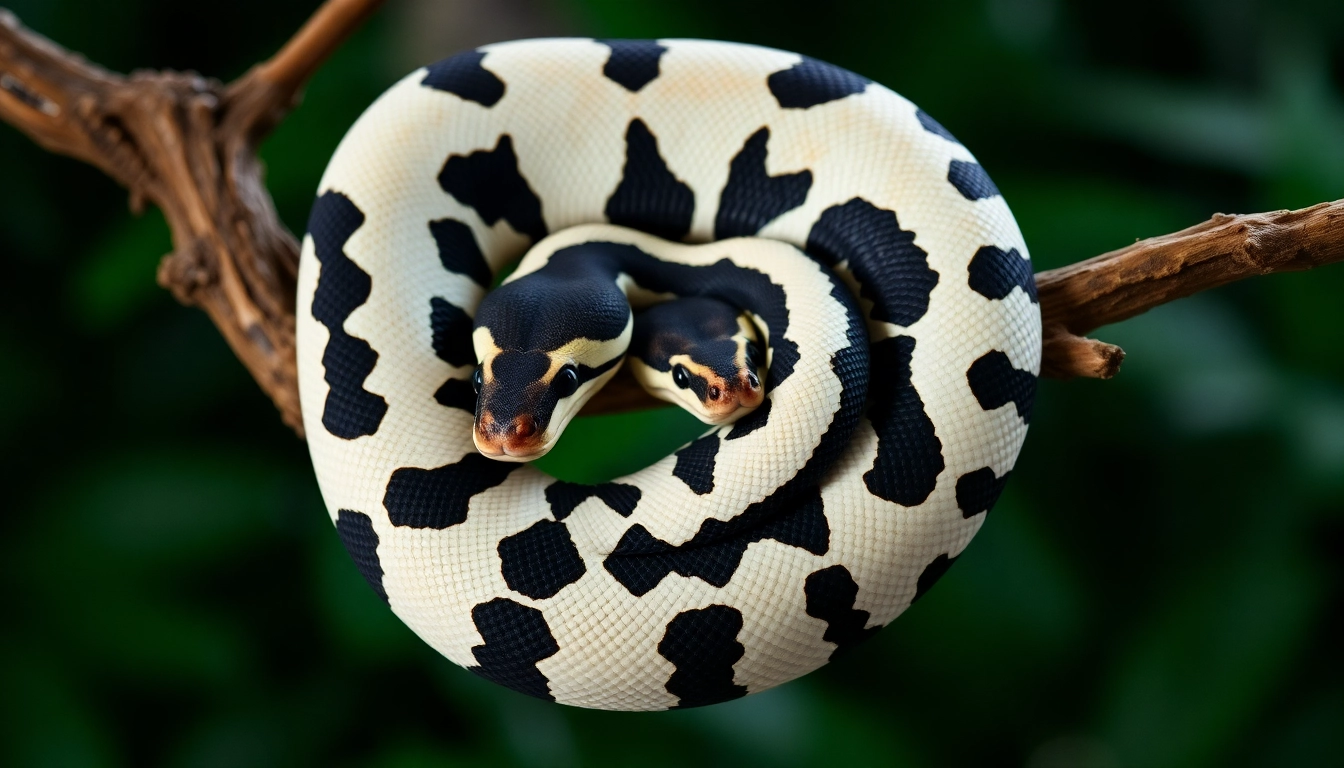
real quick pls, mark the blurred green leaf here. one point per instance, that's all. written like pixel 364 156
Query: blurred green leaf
pixel 160 509
pixel 1311 734
pixel 1214 651
pixel 46 722
pixel 26 387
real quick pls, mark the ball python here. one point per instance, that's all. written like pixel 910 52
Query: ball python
pixel 880 261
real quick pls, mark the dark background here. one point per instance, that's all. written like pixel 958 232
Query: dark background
pixel 1160 585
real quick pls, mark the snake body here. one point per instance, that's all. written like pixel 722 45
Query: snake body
pixel 865 244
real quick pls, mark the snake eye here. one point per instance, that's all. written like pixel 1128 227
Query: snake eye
pixel 680 376
pixel 478 379
pixel 566 382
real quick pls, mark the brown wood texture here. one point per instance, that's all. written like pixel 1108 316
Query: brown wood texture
pixel 188 144
pixel 1118 285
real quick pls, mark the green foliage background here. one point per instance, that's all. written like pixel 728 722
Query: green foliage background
pixel 1160 586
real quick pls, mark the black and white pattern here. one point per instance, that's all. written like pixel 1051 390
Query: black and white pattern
pixel 904 343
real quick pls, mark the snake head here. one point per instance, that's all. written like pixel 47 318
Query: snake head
pixel 701 354
pixel 526 398
pixel 546 341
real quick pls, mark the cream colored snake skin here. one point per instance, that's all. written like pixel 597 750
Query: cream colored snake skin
pixel 757 552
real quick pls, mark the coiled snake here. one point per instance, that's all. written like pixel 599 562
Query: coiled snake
pixel 881 266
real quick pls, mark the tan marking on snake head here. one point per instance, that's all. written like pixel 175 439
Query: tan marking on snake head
pixel 527 433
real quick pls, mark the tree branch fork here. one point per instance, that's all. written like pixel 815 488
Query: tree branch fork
pixel 188 144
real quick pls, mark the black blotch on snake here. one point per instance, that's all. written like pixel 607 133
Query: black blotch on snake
pixel 350 411
pixel 751 422
pixel 633 63
pixel 450 333
pixel 994 273
pixel 564 497
pixel 752 197
pixel 830 596
pixel 516 638
pixel 457 393
pixel 640 561
pixel 995 383
pixel 649 197
pixel 702 644
pixel 541 560
pixel 909 453
pixel 971 180
pixel 811 82
pixel 977 491
pixel 695 464
pixel 459 252
pixel 489 181
pixel 464 76
pixel 438 498
pixel 893 271
pixel 356 532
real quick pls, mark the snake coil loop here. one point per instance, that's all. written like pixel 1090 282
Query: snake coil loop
pixel 857 233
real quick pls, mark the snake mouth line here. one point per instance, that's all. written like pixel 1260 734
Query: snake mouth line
pixel 510 455
pixel 506 451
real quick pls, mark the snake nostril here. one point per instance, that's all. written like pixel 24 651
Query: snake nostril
pixel 523 427
pixel 714 393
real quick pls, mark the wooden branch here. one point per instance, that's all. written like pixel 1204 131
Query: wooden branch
pixel 282 77
pixel 1130 281
pixel 189 145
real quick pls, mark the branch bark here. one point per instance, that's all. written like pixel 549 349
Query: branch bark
pixel 189 145
pixel 1118 285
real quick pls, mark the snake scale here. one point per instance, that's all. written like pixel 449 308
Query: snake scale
pixel 885 272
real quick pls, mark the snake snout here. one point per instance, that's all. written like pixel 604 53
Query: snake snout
pixel 517 438
pixel 750 393
pixel 724 398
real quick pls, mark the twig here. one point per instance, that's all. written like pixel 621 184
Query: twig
pixel 283 76
pixel 188 144
pixel 310 47
pixel 1121 284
